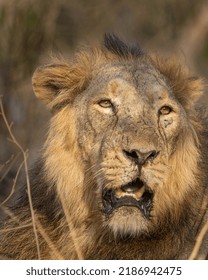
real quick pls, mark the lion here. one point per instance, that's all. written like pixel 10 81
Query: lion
pixel 123 171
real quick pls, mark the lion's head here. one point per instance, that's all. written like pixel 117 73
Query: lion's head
pixel 123 148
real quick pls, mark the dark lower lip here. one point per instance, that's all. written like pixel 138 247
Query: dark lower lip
pixel 111 202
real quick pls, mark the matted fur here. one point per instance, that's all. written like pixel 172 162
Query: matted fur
pixel 83 151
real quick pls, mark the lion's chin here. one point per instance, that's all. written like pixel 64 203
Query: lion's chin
pixel 128 221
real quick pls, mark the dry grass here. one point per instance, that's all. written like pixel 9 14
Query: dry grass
pixel 37 227
pixel 199 240
pixel 73 234
pixel 50 244
pixel 25 157
pixel 13 185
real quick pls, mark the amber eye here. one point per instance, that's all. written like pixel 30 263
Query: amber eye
pixel 105 104
pixel 165 110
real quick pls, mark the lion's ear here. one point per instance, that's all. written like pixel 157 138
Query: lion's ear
pixel 49 80
pixel 189 91
pixel 196 88
pixel 57 84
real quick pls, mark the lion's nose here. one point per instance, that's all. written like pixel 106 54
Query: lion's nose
pixel 141 157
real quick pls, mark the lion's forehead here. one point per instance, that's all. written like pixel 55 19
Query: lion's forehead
pixel 122 88
pixel 126 83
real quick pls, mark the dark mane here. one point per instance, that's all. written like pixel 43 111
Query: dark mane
pixel 118 47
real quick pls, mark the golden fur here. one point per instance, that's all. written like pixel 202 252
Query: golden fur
pixel 73 226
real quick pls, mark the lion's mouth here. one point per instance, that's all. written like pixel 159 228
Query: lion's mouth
pixel 133 194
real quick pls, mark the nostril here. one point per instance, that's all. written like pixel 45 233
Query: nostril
pixel 141 157
pixel 132 154
pixel 152 155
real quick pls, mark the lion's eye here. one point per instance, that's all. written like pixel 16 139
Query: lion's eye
pixel 165 110
pixel 105 104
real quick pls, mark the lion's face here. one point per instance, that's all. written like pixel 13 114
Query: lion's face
pixel 129 124
pixel 122 146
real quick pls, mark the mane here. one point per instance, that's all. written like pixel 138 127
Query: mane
pixel 116 46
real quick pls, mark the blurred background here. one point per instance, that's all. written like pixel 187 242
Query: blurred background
pixel 31 31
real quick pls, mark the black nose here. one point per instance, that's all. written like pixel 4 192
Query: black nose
pixel 141 157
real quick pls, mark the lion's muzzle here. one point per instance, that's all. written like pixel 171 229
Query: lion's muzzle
pixel 133 194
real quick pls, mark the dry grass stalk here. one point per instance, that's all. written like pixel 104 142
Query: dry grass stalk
pixel 199 240
pixel 50 244
pixel 35 222
pixel 13 186
pixel 14 228
pixel 25 156
pixel 73 234
pixel 9 164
